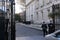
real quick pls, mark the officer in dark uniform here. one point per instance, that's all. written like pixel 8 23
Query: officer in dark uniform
pixel 51 27
pixel 44 28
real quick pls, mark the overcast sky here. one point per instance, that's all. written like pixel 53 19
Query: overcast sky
pixel 18 7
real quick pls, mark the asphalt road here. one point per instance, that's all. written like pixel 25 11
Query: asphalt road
pixel 23 32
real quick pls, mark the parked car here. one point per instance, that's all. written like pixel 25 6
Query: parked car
pixel 53 36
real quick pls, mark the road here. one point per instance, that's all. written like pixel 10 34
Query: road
pixel 26 33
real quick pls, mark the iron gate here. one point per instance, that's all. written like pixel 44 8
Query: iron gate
pixel 2 28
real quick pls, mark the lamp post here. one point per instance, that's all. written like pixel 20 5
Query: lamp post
pixel 53 10
pixel 12 21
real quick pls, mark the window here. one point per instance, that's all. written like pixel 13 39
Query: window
pixel 48 10
pixel 43 3
pixel 42 6
pixel 37 15
pixel 50 1
pixel 37 5
pixel 37 0
pixel 42 13
pixel 56 0
pixel 37 8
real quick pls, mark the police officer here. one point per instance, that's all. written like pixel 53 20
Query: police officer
pixel 51 27
pixel 44 28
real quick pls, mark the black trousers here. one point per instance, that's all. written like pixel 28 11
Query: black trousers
pixel 44 32
pixel 51 31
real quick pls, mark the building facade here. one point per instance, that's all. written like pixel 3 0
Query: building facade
pixel 38 10
pixel 30 10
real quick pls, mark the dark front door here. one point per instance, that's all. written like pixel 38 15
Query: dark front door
pixel 2 27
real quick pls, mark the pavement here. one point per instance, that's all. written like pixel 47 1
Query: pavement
pixel 35 26
pixel 25 32
pixel 31 38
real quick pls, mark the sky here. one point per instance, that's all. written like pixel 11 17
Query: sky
pixel 18 7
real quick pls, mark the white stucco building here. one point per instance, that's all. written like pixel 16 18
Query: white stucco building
pixel 30 10
pixel 37 10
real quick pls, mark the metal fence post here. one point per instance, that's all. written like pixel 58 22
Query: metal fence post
pixel 12 22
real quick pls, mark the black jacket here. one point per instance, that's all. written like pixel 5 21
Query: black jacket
pixel 51 26
pixel 44 26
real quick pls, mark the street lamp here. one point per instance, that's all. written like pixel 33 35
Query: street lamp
pixel 12 20
pixel 53 10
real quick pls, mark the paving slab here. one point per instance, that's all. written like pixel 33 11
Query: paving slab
pixel 31 38
pixel 24 32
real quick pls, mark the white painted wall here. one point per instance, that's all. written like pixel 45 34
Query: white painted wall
pixel 27 1
pixel 31 10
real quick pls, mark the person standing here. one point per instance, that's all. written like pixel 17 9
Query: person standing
pixel 51 27
pixel 44 28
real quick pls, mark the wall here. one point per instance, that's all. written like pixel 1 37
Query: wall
pixel 27 1
pixel 30 11
pixel 38 10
